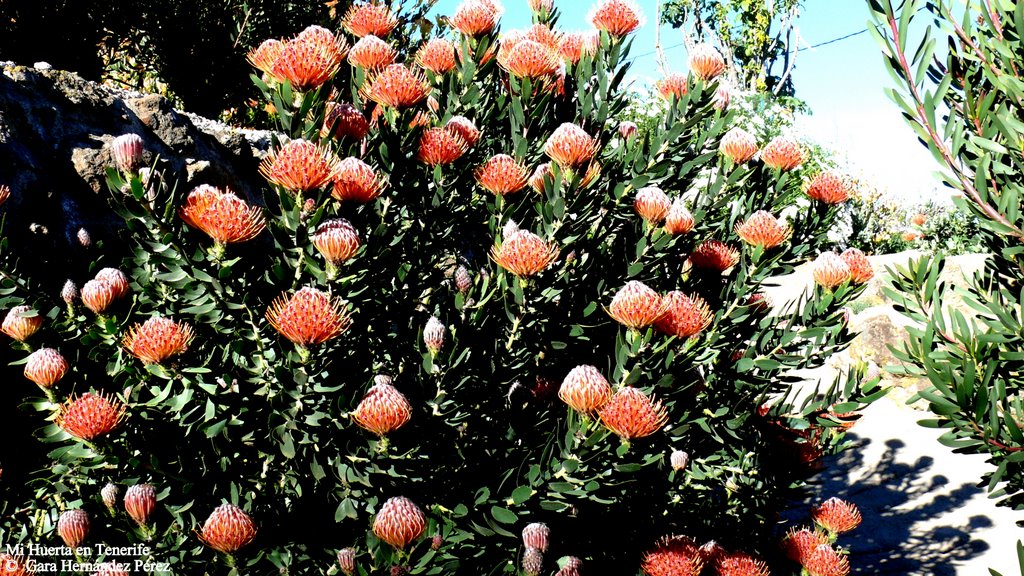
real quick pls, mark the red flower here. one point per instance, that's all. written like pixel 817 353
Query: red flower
pixel 706 62
pixel 573 46
pixel 399 522
pixel 228 529
pixel 90 416
pixel 464 128
pixel 344 120
pixel 529 59
pixel 310 59
pixel 300 166
pixel 740 564
pixel 45 367
pixel 21 323
pixel 836 516
pixel 673 556
pixel 474 18
pixel 5 193
pixel 632 414
pixel 826 561
pixel 829 187
pixel 714 255
pixel 738 145
pixel 763 229
pixel 652 204
pixel 799 544
pixel 383 410
pixel 686 316
pixel 570 146
pixel 396 86
pixel 585 389
pixel 636 305
pixel 782 154
pixel 264 56
pixel 337 240
pixel 357 181
pixel 437 55
pixel 116 279
pixel 366 19
pixel 98 296
pixel 678 220
pixel 308 317
pixel 830 270
pixel 223 216
pixel 524 254
pixel 370 53
pixel 157 339
pixel 73 527
pixel 139 502
pixel 860 267
pixel 440 146
pixel 673 85
pixel 501 175
pixel 617 17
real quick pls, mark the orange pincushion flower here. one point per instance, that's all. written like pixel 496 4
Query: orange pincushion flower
pixel 396 86
pixel 722 97
pixel 474 18
pixel 919 219
pixel 530 59
pixel 570 146
pixel 98 296
pixel 585 389
pixel 308 317
pixel 464 128
pixel 21 323
pixel 836 516
pixel 830 270
pixel 860 267
pixel 501 175
pixel 687 315
pixel 632 414
pixel 738 145
pixel 157 339
pixel 383 410
pixel 356 180
pixel 370 53
pixel 539 174
pixel 829 187
pixel 782 154
pixel 652 204
pixel 342 119
pixel 45 367
pixel 310 59
pixel 115 279
pixel 524 254
pixel 399 522
pixel 228 529
pixel 911 236
pixel 440 146
pixel 221 215
pixel 366 19
pixel 337 240
pixel 300 166
pixel 139 502
pixel 673 556
pixel 573 46
pixel 13 565
pixel 714 255
pixel 437 55
pixel 616 17
pixel 763 229
pixel 264 56
pixel 739 564
pixel 678 220
pixel 544 34
pixel 706 62
pixel 538 6
pixel 826 561
pixel 636 305
pixel 90 416
pixel 73 527
pixel 673 85
pixel 799 544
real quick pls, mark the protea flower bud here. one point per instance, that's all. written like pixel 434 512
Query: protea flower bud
pixel 501 175
pixel 69 292
pixel 860 267
pixel 396 86
pixel 90 416
pixel 673 556
pixel 627 129
pixel 309 317
pixel 533 562
pixel 836 516
pixel 637 306
pixel 829 187
pixel 222 215
pixel 572 567
pixel 830 270
pixel 110 493
pixel 652 204
pixel 706 62
pixel 5 194
pixel 371 53
pixel 541 6
pixel 536 536
pixel 464 128
pixel 228 529
pixel 679 460
pixel 524 254
pixel 45 367
pixel 672 86
pixel 764 230
pixel 440 147
pixel 343 120
pixel 383 410
pixel 711 552
pixel 84 238
pixel 799 544
pixel 372 18
pixel 715 256
pixel 436 542
pixel 616 17
pixel 21 323
pixel 139 502
pixel 399 522
pixel 127 151
pixel 434 334
pixel 738 145
pixel 570 146
pixel 740 564
pixel 158 339
pixel 300 166
pixel 782 153
pixel 347 561
pixel 475 18
pixel 337 240
pixel 463 281
pixel 585 389
pixel 98 296
pixel 632 414
pixel 73 527
pixel 678 220
pixel 826 561
pixel 686 315
pixel 723 95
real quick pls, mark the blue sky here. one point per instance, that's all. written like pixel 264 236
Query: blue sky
pixel 842 82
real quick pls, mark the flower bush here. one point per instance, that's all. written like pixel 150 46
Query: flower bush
pixel 468 307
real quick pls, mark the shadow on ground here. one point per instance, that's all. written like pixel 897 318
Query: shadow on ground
pixel 907 528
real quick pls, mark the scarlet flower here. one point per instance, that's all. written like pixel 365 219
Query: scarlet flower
pixel 573 46
pixel 157 339
pixel 782 153
pixel 570 146
pixel 673 556
pixel 672 86
pixel 714 255
pixel 383 410
pixel 616 17
pixel 399 522
pixel 396 86
pixel 437 55
pixel 763 229
pixel 536 535
pixel 524 254
pixel 706 62
pixel 127 152
pixel 223 216
pixel 13 565
pixel 464 128
pixel 228 529
pixel 357 181
pixel 686 316
pixel 501 175
pixel 636 305
pixel 370 53
pixel 342 119
pixel 632 414
pixel 474 18
pixel 264 56
pixel 829 187
pixel 830 270
pixel 541 172
pixel 300 166
pixel 585 390
pixel 21 323
pixel 310 59
pixel 90 416
pixel 860 267
pixel 678 220
pixel 45 367
pixel 917 220
pixel 652 204
pixel 73 527
pixel 529 59
pixel 836 516
pixel 440 146
pixel 366 19
pixel 139 502
pixel 337 240
pixel 308 317
pixel 738 145
pixel 799 544
pixel 739 564
pixel 826 561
